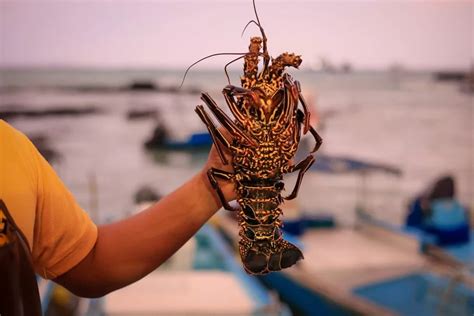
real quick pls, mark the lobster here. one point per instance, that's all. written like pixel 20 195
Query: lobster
pixel 265 131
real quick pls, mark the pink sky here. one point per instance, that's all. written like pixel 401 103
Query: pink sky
pixel 369 34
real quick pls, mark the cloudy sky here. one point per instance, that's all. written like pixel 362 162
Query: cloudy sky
pixel 107 34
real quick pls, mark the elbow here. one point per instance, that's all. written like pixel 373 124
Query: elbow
pixel 90 292
pixel 84 287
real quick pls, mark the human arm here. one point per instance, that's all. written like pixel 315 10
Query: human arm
pixel 128 250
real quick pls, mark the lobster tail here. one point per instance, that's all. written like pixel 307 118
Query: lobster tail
pixel 262 258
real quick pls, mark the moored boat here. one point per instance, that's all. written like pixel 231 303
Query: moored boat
pixel 370 269
pixel 162 140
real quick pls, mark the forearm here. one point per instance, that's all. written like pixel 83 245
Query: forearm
pixel 130 249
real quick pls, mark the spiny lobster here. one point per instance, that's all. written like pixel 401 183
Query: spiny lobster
pixel 266 131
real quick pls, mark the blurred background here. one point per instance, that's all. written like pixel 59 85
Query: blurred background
pixel 96 86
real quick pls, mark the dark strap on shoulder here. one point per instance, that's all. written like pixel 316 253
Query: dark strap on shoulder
pixel 18 287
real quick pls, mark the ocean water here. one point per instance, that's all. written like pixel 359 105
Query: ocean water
pixel 406 120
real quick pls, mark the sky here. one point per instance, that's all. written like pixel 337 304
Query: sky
pixel 173 34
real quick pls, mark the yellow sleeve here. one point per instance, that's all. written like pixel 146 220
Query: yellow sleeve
pixel 63 232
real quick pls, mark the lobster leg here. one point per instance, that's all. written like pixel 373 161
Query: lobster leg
pixel 305 164
pixel 214 173
pixel 224 119
pixel 302 166
pixel 215 133
pixel 229 98
pixel 317 138
pixel 305 108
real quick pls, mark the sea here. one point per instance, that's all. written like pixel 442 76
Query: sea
pixel 405 120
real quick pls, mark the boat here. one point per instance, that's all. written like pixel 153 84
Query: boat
pixel 372 268
pixel 200 140
pixel 161 140
pixel 202 278
pixel 368 268
pixel 447 285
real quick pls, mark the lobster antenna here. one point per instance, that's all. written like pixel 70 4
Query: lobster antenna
pixel 266 57
pixel 209 56
pixel 250 22
pixel 230 62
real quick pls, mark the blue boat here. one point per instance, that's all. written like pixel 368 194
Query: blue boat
pixel 421 294
pixel 162 140
pixel 447 290
pixel 371 269
pixel 194 141
pixel 462 254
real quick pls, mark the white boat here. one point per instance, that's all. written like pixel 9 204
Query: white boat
pixel 202 278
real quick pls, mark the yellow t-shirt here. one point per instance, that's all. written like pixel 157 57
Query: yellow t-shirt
pixel 60 234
